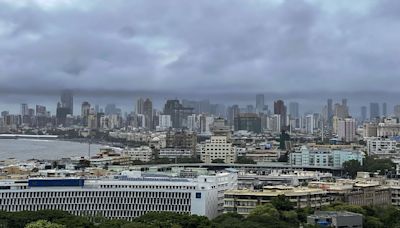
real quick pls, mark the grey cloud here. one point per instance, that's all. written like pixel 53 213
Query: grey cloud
pixel 202 47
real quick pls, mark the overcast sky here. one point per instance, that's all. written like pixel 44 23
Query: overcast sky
pixel 224 50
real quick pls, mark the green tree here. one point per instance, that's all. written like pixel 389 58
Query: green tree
pixel 381 165
pixel 170 219
pixel 282 203
pixel 351 167
pixel 44 224
pixel 265 210
pixel 228 220
pixel 218 160
pixel 244 160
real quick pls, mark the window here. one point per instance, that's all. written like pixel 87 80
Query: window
pixel 198 195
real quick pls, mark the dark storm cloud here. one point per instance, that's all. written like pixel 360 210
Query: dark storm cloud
pixel 203 48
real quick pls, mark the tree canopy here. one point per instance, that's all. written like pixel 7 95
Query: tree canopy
pixel 370 164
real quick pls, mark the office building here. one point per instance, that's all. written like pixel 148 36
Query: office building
pixel 383 147
pixel 217 148
pixel 309 124
pixel 139 106
pixel 111 109
pixel 164 122
pixel 336 219
pixel 374 111
pixel 61 114
pixel 396 111
pixel 384 109
pixel 41 110
pixel 329 112
pixel 341 111
pixel 388 128
pixel 363 113
pixel 181 140
pixel 148 113
pixel 126 196
pixel 248 121
pixel 173 153
pixel 24 110
pixel 260 103
pixel 178 113
pixel 67 101
pixel 232 112
pixel 347 130
pixel 370 130
pixel 294 110
pixel 274 123
pixel 219 128
pixel 244 201
pixel 280 109
pixel 85 111
pixel 323 158
pixel 142 153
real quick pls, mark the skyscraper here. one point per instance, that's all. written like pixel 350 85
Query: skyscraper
pixel 396 111
pixel 347 129
pixel 384 109
pixel 260 103
pixel 85 111
pixel 67 101
pixel 177 112
pixel 329 112
pixel 139 106
pixel 248 121
pixel 363 113
pixel 374 111
pixel 148 113
pixel 280 109
pixel 294 110
pixel 41 110
pixel 232 112
pixel 24 110
pixel 344 102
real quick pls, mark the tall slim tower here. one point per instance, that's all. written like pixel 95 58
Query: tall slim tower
pixel 280 109
pixel 139 106
pixel 374 111
pixel 24 110
pixel 363 113
pixel 384 109
pixel 85 111
pixel 67 101
pixel 294 110
pixel 260 103
pixel 148 113
pixel 329 112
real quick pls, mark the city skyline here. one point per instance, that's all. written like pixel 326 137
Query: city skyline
pixel 353 110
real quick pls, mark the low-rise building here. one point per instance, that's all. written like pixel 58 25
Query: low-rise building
pixel 218 147
pixel 142 153
pixel 337 219
pixel 126 196
pixel 175 153
pixel 383 147
pixel 323 158
pixel 244 201
pixel 108 156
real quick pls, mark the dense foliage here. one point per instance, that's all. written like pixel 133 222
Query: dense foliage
pixel 244 160
pixel 370 164
pixel 280 213
pixel 374 217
